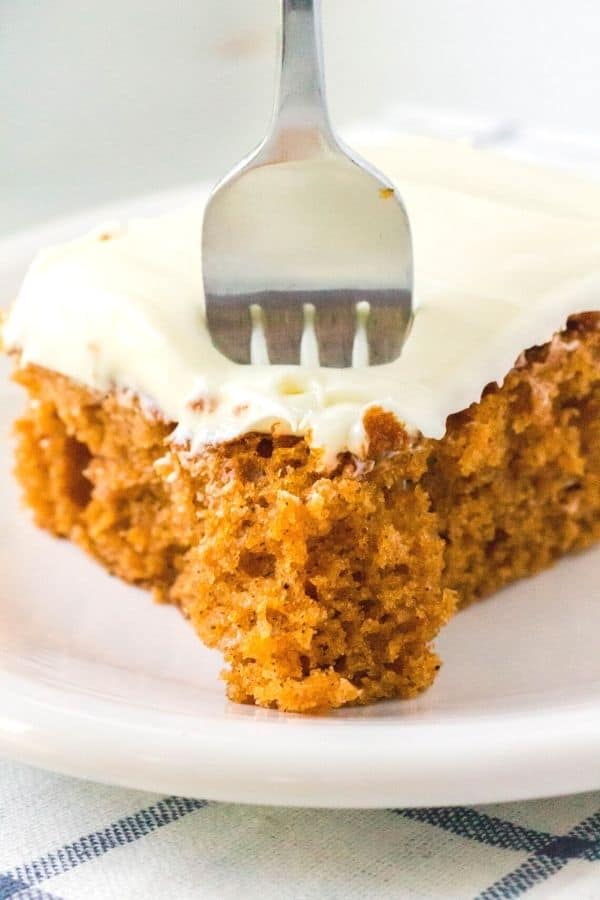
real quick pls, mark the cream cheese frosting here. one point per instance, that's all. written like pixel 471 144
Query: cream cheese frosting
pixel 504 252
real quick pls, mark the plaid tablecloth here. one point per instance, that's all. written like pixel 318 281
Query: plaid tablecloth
pixel 63 839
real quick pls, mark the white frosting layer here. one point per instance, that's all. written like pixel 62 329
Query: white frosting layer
pixel 504 252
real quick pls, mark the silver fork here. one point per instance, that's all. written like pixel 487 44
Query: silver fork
pixel 307 254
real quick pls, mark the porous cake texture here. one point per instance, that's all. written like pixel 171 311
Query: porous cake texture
pixel 326 587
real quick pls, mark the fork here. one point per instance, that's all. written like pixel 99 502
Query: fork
pixel 306 249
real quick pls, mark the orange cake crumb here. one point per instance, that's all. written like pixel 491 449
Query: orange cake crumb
pixel 325 589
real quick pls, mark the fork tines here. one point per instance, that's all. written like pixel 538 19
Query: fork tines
pixel 333 328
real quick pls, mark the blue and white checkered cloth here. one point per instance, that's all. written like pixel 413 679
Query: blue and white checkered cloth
pixel 63 839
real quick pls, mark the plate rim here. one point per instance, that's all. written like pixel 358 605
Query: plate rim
pixel 310 764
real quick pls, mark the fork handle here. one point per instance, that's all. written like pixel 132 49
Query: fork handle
pixel 301 125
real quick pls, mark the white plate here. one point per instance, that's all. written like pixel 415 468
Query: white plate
pixel 97 681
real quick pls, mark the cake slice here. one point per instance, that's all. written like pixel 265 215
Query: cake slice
pixel 320 526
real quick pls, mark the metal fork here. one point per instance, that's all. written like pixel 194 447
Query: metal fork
pixel 307 254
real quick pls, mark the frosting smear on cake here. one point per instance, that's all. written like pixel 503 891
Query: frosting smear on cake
pixel 504 253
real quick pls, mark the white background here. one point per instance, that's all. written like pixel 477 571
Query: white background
pixel 107 98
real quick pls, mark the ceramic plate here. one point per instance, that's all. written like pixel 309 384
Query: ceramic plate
pixel 99 682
